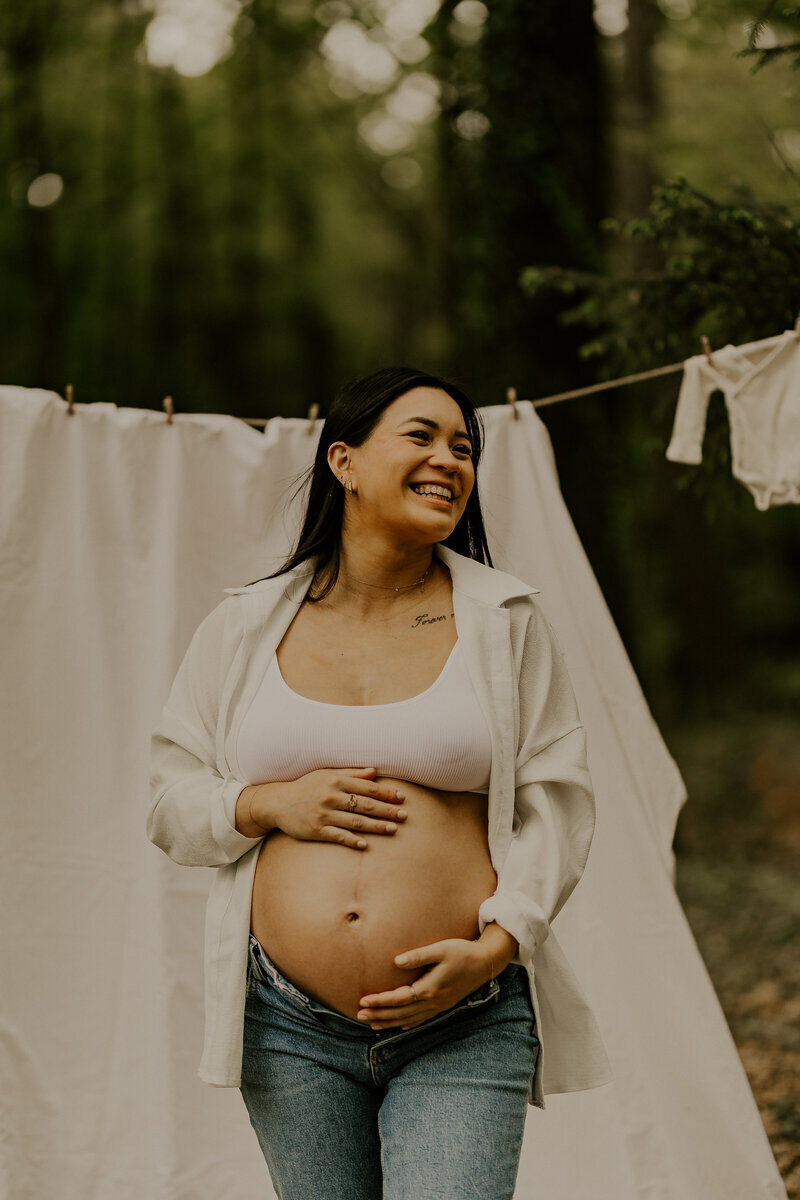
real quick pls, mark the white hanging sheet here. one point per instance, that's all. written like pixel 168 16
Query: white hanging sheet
pixel 119 534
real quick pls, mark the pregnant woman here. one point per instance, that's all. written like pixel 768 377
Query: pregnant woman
pixel 379 748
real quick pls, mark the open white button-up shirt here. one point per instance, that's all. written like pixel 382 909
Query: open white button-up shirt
pixel 541 812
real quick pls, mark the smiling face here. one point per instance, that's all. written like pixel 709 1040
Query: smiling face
pixel 420 439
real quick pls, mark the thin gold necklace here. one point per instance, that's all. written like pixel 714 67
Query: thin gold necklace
pixel 403 586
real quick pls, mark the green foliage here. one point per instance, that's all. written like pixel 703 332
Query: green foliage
pixel 729 270
pixel 690 266
pixel 768 54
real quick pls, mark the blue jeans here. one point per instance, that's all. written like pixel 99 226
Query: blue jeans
pixel 345 1112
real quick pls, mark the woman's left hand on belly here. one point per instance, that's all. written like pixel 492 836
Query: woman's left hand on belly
pixel 457 967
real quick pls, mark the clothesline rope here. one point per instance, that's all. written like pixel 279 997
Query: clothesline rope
pixel 511 392
pixel 607 384
pixel 584 391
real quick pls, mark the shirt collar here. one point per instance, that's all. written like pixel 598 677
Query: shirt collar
pixel 488 585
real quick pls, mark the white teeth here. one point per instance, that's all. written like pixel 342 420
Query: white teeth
pixel 428 489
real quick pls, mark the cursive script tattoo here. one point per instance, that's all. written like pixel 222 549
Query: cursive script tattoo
pixel 425 619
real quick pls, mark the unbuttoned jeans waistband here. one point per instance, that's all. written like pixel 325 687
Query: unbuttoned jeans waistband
pixel 513 977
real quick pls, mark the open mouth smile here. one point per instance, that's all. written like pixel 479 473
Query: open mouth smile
pixel 434 493
pixel 433 498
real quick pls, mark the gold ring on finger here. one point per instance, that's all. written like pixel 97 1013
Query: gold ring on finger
pixel 353 803
pixel 416 997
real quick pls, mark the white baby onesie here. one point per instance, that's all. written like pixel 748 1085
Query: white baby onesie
pixel 761 385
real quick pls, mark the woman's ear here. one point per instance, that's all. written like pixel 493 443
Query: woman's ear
pixel 338 458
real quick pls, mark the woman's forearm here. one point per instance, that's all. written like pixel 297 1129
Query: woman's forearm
pixel 252 810
pixel 499 945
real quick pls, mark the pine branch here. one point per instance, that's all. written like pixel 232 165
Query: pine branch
pixel 767 54
pixel 759 24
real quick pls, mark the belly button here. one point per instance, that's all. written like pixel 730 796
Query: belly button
pixel 352 916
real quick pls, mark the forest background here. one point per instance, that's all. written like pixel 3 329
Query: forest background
pixel 243 205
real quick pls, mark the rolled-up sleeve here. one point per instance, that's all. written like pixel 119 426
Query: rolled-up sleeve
pixel 192 815
pixel 554 806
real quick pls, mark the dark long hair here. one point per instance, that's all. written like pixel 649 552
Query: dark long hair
pixel 354 413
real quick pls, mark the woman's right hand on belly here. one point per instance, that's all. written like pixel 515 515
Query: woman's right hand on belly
pixel 317 807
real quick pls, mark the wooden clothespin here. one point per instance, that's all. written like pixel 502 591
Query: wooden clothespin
pixel 707 349
pixel 70 399
pixel 511 397
pixel 313 413
pixel 168 408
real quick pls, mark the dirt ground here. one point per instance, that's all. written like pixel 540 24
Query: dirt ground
pixel 745 917
pixel 738 878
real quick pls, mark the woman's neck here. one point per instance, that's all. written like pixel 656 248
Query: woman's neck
pixel 368 586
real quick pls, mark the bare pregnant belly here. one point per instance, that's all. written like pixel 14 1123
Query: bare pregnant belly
pixel 332 918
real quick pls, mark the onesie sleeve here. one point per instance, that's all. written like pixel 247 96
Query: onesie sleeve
pixel 689 427
pixel 192 816
pixel 554 806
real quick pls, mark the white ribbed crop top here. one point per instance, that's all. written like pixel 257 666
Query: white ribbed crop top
pixel 438 739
